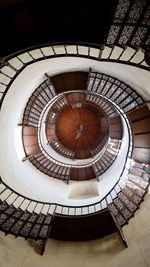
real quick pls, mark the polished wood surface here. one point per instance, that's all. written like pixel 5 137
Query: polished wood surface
pixel 116 129
pixel 139 113
pixel 141 126
pixel 140 121
pixel 30 140
pixel 81 174
pixel 78 128
pixel 142 140
pixel 70 81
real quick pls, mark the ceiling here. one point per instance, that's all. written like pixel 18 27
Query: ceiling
pixel 29 22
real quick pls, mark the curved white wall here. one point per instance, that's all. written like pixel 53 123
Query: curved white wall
pixel 23 177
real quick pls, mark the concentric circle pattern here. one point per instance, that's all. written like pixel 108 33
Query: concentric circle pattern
pixel 61 118
pixel 77 124
pixel 111 102
pixel 83 131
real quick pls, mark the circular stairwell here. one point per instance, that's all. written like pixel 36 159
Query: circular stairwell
pixel 26 217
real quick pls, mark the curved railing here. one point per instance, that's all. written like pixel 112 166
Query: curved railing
pixel 10 69
pixel 79 210
pixel 126 195
pixel 13 64
pixel 102 203
pixel 96 158
pixel 32 219
pixel 92 208
pixel 50 208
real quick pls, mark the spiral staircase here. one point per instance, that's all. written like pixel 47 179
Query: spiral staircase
pixel 95 108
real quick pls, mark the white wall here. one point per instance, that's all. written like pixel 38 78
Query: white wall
pixel 23 177
pixel 105 252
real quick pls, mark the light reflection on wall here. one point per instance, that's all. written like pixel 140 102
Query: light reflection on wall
pixel 18 143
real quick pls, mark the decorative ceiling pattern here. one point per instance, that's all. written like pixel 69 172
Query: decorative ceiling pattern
pixel 130 25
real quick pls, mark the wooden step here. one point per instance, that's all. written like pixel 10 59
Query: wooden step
pixel 139 113
pixel 70 81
